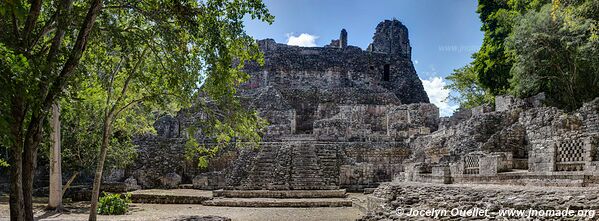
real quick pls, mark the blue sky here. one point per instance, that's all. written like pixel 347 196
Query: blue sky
pixel 443 33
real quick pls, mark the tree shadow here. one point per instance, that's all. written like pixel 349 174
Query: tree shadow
pixel 68 208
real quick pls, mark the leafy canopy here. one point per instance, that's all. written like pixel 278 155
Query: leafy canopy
pixel 533 46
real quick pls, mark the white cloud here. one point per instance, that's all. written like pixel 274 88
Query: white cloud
pixel 437 95
pixel 304 40
pixel 415 61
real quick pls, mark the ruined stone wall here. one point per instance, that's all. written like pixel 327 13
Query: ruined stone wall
pixel 338 116
pixel 309 76
pixel 538 145
pixel 391 37
pixel 375 122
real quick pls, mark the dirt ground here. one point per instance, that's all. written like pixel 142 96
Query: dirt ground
pixel 79 211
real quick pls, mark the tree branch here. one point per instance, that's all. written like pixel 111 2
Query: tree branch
pixel 34 12
pixel 45 30
pixel 76 53
pixel 128 80
pixel 15 25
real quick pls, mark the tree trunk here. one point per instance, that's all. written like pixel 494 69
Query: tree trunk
pixel 55 201
pixel 69 182
pixel 106 131
pixel 17 205
pixel 32 140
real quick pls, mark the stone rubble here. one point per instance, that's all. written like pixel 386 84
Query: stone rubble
pixel 405 196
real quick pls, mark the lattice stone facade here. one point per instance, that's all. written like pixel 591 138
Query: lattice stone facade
pixel 471 164
pixel 572 154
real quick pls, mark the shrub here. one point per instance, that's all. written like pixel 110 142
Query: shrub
pixel 114 204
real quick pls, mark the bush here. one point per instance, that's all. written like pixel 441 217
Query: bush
pixel 114 204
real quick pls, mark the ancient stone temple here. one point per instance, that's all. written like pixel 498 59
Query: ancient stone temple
pixel 346 118
pixel 339 117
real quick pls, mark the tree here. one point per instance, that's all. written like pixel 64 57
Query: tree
pixel 470 93
pixel 55 195
pixel 149 56
pixel 39 39
pixel 42 48
pixel 557 52
pixel 492 63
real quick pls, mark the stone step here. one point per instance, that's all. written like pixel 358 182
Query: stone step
pixel 175 196
pixel 315 187
pixel 307 179
pixel 280 193
pixel 305 169
pixel 302 176
pixel 307 185
pixel 274 202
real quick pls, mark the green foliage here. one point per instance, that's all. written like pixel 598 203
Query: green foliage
pixel 118 64
pixel 470 92
pixel 82 134
pixel 233 126
pixel 14 73
pixel 533 46
pixel 147 59
pixel 114 204
pixel 492 63
pixel 3 163
pixel 557 52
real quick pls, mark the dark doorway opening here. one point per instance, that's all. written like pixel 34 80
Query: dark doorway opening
pixel 386 71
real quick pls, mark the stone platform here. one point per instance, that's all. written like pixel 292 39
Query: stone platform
pixel 280 194
pixel 244 198
pixel 280 198
pixel 274 202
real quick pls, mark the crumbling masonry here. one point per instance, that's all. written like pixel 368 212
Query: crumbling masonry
pixel 339 117
pixel 342 117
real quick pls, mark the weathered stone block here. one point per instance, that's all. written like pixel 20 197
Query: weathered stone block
pixel 171 180
pixel 209 181
pixel 131 184
pixel 507 103
pixel 542 157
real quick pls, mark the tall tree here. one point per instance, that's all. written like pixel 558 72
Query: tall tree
pixel 55 195
pixel 556 51
pixel 151 55
pixel 492 63
pixel 43 46
pixel 39 39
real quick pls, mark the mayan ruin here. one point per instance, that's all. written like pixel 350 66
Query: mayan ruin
pixel 218 110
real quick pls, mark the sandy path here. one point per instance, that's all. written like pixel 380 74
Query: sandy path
pixel 170 211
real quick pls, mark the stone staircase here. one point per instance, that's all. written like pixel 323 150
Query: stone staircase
pixel 261 175
pixel 293 165
pixel 305 168
pixel 329 164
